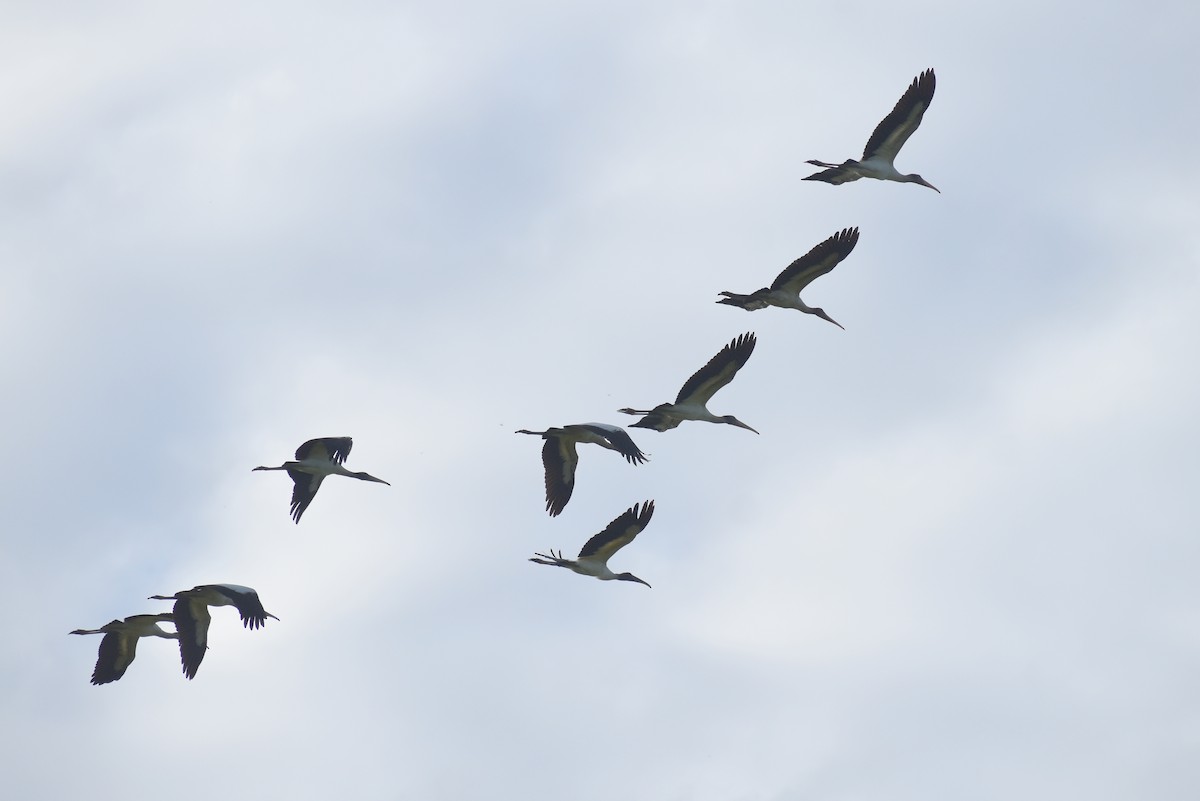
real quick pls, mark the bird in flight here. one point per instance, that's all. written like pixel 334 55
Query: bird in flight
pixel 560 457
pixel 692 401
pixel 119 646
pixel 593 558
pixel 192 617
pixel 785 291
pixel 889 136
pixel 315 460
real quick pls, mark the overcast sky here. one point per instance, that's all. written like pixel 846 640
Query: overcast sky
pixel 959 563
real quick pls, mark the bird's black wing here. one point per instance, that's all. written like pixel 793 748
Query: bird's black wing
pixel 719 371
pixel 115 655
pixel 560 458
pixel 303 493
pixel 336 449
pixel 619 439
pixel 246 601
pixel 893 131
pixel 619 532
pixel 818 261
pixel 191 621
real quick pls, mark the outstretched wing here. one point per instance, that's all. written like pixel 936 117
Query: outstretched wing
pixel 619 439
pixel 560 458
pixel 719 371
pixel 246 601
pixel 117 651
pixel 891 134
pixel 818 261
pixel 305 490
pixel 334 449
pixel 191 621
pixel 619 532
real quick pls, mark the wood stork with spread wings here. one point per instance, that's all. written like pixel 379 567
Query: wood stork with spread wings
pixel 889 136
pixel 192 617
pixel 785 292
pixel 119 646
pixel 692 402
pixel 315 460
pixel 560 458
pixel 593 558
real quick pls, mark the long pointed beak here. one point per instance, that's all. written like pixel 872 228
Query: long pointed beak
pixel 821 313
pixel 923 182
pixel 740 424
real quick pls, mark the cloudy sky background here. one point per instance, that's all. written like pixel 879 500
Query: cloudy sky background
pixel 959 562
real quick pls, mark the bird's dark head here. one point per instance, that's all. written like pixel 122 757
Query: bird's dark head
pixel 821 313
pixel 369 477
pixel 916 179
pixel 630 577
pixel 733 421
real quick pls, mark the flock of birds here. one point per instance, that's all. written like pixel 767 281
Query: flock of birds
pixel 319 458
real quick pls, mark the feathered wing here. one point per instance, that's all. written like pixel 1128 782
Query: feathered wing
pixel 817 262
pixel 303 493
pixel 559 457
pixel 893 131
pixel 253 614
pixel 719 371
pixel 191 621
pixel 335 449
pixel 620 440
pixel 618 533
pixel 116 654
pixel 247 602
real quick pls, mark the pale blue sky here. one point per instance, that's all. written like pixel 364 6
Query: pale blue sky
pixel 959 563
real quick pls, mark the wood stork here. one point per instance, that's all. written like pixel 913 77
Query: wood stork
pixel 192 617
pixel 119 646
pixel 560 457
pixel 692 402
pixel 315 460
pixel 593 558
pixel 889 136
pixel 785 292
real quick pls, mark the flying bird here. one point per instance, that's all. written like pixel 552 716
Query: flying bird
pixel 560 457
pixel 889 136
pixel 119 646
pixel 593 558
pixel 192 617
pixel 315 460
pixel 785 292
pixel 692 402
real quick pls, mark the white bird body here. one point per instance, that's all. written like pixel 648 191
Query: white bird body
pixel 591 566
pixel 192 617
pixel 786 289
pixel 315 460
pixel 119 646
pixel 692 401
pixel 593 557
pixel 889 136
